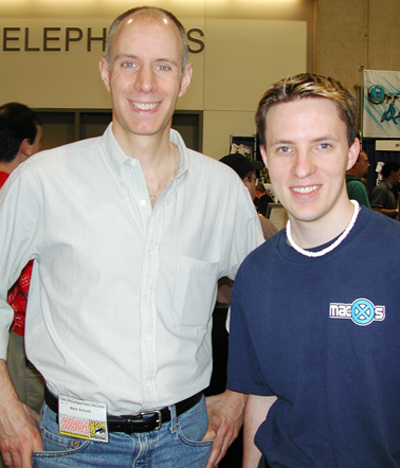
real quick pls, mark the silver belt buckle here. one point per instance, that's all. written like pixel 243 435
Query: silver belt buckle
pixel 158 420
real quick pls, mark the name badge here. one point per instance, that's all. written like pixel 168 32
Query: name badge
pixel 83 419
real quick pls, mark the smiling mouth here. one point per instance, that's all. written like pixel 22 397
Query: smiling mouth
pixel 305 190
pixel 145 106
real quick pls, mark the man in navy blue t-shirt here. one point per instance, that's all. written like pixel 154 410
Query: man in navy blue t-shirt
pixel 315 310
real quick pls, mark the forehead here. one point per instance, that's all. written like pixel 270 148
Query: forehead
pixel 309 116
pixel 158 32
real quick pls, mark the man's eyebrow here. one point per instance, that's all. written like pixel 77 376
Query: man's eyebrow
pixel 328 136
pixel 281 141
pixel 288 141
pixel 124 56
pixel 168 60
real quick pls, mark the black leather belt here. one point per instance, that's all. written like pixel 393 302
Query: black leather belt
pixel 143 422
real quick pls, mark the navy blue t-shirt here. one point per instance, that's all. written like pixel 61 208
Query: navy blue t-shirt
pixel 323 335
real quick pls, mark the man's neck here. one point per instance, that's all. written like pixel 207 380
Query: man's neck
pixel 159 177
pixel 8 167
pixel 309 235
pixel 150 150
pixel 158 156
pixel 389 182
pixel 354 174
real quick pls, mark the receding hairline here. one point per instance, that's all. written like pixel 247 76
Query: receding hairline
pixel 152 15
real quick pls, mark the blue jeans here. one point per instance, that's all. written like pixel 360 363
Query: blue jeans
pixel 176 445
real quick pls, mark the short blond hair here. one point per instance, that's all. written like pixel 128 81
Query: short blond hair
pixel 309 85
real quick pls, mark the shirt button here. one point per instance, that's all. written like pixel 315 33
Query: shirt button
pixel 142 202
pixel 148 293
pixel 133 163
pixel 151 248
pixel 148 339
pixel 149 386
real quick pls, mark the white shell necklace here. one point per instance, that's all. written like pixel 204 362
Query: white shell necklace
pixel 334 244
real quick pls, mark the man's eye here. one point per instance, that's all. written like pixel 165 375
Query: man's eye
pixel 324 145
pixel 163 67
pixel 128 65
pixel 283 149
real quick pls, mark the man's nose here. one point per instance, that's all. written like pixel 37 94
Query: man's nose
pixel 146 79
pixel 304 164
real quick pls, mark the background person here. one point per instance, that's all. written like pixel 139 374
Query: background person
pixel 260 190
pixel 355 187
pixel 245 169
pixel 262 200
pixel 382 197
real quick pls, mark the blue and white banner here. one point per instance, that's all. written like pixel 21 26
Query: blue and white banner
pixel 381 118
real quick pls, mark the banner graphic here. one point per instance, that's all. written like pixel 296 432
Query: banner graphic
pixel 381 117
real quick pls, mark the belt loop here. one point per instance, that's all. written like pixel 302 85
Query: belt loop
pixel 174 418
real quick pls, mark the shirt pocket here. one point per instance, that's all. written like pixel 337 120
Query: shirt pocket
pixel 195 291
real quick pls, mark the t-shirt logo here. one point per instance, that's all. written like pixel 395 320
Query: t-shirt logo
pixel 362 312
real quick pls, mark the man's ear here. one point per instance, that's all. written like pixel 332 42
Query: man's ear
pixel 26 148
pixel 186 79
pixel 104 73
pixel 354 152
pixel 264 155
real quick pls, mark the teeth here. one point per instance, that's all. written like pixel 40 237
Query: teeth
pixel 142 106
pixel 305 189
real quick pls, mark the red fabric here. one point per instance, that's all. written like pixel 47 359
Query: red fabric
pixel 17 298
pixel 3 178
pixel 18 294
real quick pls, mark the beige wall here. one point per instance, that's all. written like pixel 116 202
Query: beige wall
pixel 248 45
pixel 239 68
pixel 357 33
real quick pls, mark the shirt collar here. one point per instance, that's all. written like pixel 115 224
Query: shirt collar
pixel 118 157
pixel 176 139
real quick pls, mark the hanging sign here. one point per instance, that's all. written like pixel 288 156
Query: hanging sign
pixel 381 116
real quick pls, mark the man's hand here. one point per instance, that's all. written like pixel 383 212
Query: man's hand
pixel 225 418
pixel 19 434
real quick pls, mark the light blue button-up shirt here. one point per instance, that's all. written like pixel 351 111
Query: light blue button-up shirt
pixel 121 293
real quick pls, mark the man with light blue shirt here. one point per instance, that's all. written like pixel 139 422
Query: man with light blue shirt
pixel 127 257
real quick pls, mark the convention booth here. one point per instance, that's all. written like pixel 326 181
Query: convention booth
pixel 380 119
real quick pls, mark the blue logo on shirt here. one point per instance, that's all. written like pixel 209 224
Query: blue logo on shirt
pixel 362 312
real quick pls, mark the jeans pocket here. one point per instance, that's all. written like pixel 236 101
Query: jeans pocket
pixel 194 443
pixel 193 425
pixel 58 445
pixel 55 444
